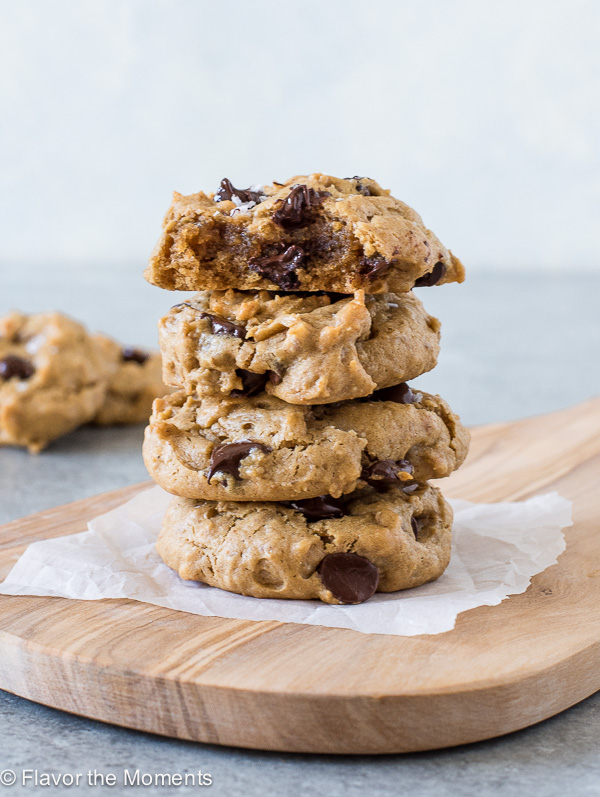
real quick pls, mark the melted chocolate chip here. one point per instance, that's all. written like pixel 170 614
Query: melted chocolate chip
pixel 363 189
pixel 281 267
pixel 349 577
pixel 251 383
pixel 384 471
pixel 221 326
pixel 374 267
pixel 321 508
pixel 11 366
pixel 298 207
pixel 226 191
pixel 274 377
pixel 226 458
pixel 401 394
pixel 131 355
pixel 434 276
pixel 419 525
pixel 414 523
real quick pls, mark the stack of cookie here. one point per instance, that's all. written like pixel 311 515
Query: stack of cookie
pixel 299 456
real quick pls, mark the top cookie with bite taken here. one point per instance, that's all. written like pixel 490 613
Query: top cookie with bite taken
pixel 312 233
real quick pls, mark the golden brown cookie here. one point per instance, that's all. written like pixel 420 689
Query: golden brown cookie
pixel 135 382
pixel 53 378
pixel 261 448
pixel 307 349
pixel 339 551
pixel 311 233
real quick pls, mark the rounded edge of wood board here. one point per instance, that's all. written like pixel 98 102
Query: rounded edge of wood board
pixel 298 722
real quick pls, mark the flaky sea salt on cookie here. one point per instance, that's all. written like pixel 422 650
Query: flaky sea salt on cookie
pixel 311 233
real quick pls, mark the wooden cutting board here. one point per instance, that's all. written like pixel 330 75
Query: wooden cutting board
pixel 305 688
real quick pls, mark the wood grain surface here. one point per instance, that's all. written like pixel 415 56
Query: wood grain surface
pixel 291 687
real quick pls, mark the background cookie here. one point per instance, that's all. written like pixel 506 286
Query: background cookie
pixel 307 349
pixel 311 233
pixel 53 378
pixel 260 448
pixel 337 551
pixel 135 382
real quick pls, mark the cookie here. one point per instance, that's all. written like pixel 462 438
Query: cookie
pixel 135 382
pixel 304 349
pixel 260 448
pixel 53 378
pixel 336 551
pixel 311 233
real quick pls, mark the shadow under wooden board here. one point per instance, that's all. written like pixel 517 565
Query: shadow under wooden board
pixel 301 688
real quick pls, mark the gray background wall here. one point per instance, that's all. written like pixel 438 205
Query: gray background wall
pixel 485 116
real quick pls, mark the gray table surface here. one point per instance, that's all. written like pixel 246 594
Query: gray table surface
pixel 514 345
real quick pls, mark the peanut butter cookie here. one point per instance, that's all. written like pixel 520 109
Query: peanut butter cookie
pixel 262 448
pixel 53 378
pixel 135 382
pixel 304 349
pixel 311 233
pixel 339 551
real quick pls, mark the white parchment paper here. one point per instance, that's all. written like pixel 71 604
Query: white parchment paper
pixel 497 548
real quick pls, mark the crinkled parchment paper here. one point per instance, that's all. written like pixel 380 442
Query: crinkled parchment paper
pixel 496 550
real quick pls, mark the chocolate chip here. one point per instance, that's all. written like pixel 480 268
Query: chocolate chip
pixel 298 207
pixel 349 577
pixel 401 394
pixel 384 472
pixel 434 276
pixel 221 326
pixel 255 383
pixel 321 508
pixel 414 523
pixel 251 383
pixel 374 267
pixel 280 267
pixel 11 366
pixel 226 458
pixel 419 525
pixel 130 354
pixel 363 189
pixel 226 192
pixel 183 304
pixel 411 487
